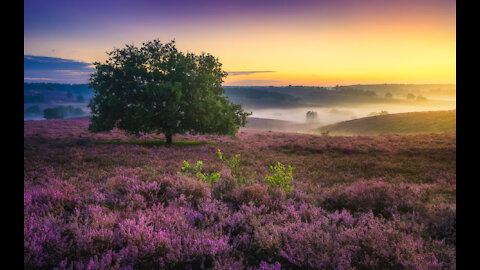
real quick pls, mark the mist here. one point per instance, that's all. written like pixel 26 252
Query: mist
pixel 330 115
pixel 288 105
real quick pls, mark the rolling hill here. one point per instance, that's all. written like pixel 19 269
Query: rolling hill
pixel 399 123
pixel 255 123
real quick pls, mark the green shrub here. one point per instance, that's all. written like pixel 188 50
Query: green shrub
pixel 197 172
pixel 52 113
pixel 282 177
pixel 234 166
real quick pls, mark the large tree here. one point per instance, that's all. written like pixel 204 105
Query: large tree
pixel 156 88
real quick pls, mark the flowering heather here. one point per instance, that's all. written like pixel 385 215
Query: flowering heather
pixel 110 201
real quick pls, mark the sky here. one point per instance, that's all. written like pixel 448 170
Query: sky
pixel 259 42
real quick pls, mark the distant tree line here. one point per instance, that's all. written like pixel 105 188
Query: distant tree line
pixel 33 98
pixel 255 93
pixel 378 113
pixel 417 98
pixel 355 92
pixel 59 112
pixel 61 87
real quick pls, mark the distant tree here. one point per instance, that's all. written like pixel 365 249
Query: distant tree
pixel 312 116
pixel 69 94
pixel 388 95
pixel 378 113
pixel 66 111
pixel 156 88
pixel 421 98
pixel 80 98
pixel 383 113
pixel 52 113
pixel 410 96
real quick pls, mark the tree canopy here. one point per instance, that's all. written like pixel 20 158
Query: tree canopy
pixel 156 88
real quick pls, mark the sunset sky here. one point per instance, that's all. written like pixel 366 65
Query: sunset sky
pixel 259 42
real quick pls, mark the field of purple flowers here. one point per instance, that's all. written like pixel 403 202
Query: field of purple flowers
pixel 108 201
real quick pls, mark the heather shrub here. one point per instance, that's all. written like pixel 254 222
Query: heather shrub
pixel 256 194
pixel 137 212
pixel 440 222
pixel 194 190
pixel 379 197
pixel 224 187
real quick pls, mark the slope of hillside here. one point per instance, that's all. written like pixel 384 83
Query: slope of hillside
pixel 254 123
pixel 399 123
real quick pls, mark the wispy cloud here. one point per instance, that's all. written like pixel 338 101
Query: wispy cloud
pixel 52 69
pixel 36 79
pixel 234 73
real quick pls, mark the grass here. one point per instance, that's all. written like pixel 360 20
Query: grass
pixel 154 142
pixel 399 123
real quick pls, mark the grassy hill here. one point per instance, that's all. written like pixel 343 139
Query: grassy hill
pixel 399 123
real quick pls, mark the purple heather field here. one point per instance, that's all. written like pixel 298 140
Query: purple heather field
pixel 111 201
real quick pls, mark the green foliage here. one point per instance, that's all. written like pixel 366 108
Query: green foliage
pixel 325 133
pixel 155 88
pixel 234 166
pixel 154 142
pixel 52 113
pixel 196 171
pixel 281 178
pixel 62 111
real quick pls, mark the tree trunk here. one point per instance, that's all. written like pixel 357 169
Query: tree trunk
pixel 169 138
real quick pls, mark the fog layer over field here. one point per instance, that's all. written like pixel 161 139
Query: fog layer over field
pixel 330 115
pixel 342 103
pixel 291 103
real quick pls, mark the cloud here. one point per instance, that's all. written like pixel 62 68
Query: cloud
pixel 37 79
pixel 52 69
pixel 235 73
